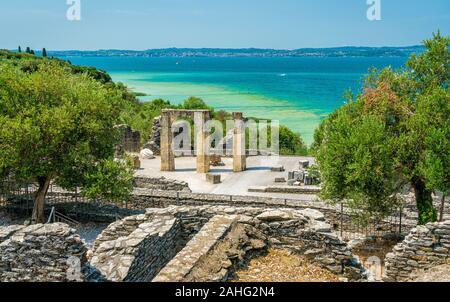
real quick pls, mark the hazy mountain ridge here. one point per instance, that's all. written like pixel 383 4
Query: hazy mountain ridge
pixel 249 52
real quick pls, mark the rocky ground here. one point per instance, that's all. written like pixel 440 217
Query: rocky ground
pixel 87 231
pixel 282 266
pixel 371 249
pixel 90 231
pixel 435 274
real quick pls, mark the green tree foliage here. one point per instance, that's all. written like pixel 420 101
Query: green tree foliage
pixel 291 143
pixel 19 49
pixel 195 103
pixel 30 63
pixel 140 116
pixel 44 52
pixel 110 179
pixel 56 125
pixel 432 120
pixel 395 133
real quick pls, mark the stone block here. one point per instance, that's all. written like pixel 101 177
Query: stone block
pixel 299 175
pixel 291 182
pixel 280 180
pixel 308 181
pixel 257 189
pixel 275 215
pixel 277 169
pixel 147 154
pixel 213 178
pixel 303 164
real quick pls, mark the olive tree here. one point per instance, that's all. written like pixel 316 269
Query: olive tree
pixel 395 133
pixel 59 126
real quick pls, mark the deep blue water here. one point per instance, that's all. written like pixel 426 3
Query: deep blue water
pixel 299 92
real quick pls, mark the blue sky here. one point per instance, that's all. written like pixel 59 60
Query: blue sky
pixel 282 24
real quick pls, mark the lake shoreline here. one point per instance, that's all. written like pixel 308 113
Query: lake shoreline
pixel 299 92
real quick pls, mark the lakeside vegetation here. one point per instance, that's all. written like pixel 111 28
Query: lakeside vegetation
pixel 393 136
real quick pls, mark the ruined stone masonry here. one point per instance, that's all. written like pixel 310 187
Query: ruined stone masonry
pixel 206 257
pixel 425 247
pixel 214 241
pixel 41 253
pixel 155 142
pixel 202 139
pixel 176 243
pixel 162 184
pixel 168 117
pixel 134 252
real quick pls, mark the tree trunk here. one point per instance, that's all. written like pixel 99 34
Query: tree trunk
pixel 39 200
pixel 424 201
pixel 441 218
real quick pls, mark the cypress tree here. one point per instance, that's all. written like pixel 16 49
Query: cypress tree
pixel 28 50
pixel 44 52
pixel 19 49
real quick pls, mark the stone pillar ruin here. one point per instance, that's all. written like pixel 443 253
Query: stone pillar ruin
pixel 168 117
pixel 167 156
pixel 202 141
pixel 239 150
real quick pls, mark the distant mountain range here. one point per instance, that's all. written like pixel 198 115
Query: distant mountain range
pixel 248 52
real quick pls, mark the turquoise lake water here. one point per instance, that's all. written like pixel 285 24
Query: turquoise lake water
pixel 299 92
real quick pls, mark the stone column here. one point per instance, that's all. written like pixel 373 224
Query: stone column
pixel 202 141
pixel 167 156
pixel 239 151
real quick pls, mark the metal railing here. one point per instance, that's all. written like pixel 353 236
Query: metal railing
pixel 58 217
pixel 349 229
pixel 20 197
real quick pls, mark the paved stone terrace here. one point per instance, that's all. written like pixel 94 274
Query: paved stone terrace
pixel 257 174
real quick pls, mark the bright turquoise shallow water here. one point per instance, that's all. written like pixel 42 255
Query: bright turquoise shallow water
pixel 299 92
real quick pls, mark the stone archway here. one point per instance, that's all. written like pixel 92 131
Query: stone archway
pixel 200 117
pixel 168 117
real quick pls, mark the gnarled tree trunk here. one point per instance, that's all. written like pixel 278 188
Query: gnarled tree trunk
pixel 424 201
pixel 39 200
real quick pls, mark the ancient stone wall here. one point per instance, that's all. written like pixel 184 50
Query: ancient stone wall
pixel 82 209
pixel 161 183
pixel 145 198
pixel 155 142
pixel 133 251
pixel 209 256
pixel 303 231
pixel 425 247
pixel 200 243
pixel 41 253
pixel 148 198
